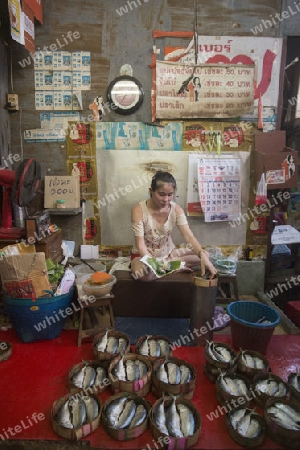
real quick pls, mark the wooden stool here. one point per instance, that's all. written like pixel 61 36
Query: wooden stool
pixel 228 280
pixel 94 317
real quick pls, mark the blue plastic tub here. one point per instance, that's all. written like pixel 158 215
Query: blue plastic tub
pixel 252 324
pixel 37 320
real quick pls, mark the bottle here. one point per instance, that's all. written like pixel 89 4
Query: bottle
pixel 249 254
pixel 120 254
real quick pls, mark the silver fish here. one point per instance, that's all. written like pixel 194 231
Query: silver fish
pixel 154 348
pixel 173 421
pixel 78 377
pixel 132 370
pixel 185 374
pixel 284 419
pixel 142 368
pixel 241 385
pixel 187 421
pixel 63 416
pixel 112 344
pixel 89 376
pixel 218 353
pixel 164 347
pixel 281 390
pixel 101 344
pixel 127 414
pixel 289 410
pixel 144 349
pixel 259 364
pixel 139 417
pixel 160 418
pixel 92 408
pixel 269 387
pixel 235 416
pixel 229 385
pixel 122 345
pixel 173 373
pixel 162 373
pixel 294 381
pixel 248 360
pixel 77 411
pixel 101 375
pixel 244 427
pixel 114 410
pixel 120 370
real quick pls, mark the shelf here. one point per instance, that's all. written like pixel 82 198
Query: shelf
pixel 64 211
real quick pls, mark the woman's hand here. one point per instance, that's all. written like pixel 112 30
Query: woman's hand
pixel 206 264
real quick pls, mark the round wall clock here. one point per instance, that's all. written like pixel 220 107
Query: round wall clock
pixel 125 94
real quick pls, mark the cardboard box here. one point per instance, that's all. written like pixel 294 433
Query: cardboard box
pixel 278 162
pixel 62 188
pixel 25 275
pixel 37 225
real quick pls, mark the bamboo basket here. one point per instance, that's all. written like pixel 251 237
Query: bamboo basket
pixel 283 436
pixel 226 397
pixel 73 389
pixel 294 394
pixel 205 282
pixel 74 434
pixel 156 337
pixel 221 364
pixel 105 356
pixel 185 390
pixel 125 434
pixel 241 440
pixel 261 397
pixel 252 372
pixel 172 443
pixel 139 387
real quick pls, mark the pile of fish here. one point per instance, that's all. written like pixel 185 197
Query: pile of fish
pixel 89 376
pixel 244 422
pixel 130 370
pixel 233 386
pixel 171 373
pixel 124 412
pixel 294 380
pixel 77 411
pixel 220 354
pixel 253 362
pixel 284 415
pixel 271 387
pixel 154 347
pixel 176 420
pixel 111 344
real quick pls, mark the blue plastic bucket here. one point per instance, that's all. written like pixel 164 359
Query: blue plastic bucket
pixel 40 319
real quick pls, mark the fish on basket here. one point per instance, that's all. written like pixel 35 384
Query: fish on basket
pixel 283 423
pixel 109 344
pixel 245 426
pixel 89 376
pixel 154 346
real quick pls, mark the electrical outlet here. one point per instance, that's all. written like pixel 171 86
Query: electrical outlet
pixel 12 102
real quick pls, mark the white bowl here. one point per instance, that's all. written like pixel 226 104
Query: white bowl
pixel 97 291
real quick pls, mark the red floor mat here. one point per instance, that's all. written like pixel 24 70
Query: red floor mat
pixel 36 374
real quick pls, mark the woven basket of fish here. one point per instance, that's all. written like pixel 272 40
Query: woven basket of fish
pixel 175 423
pixel 88 376
pixel 269 386
pixel 108 344
pixel 125 416
pixel 153 346
pixel 5 350
pixel 220 355
pixel 294 384
pixel 130 373
pixel 76 416
pixel 232 388
pixel 283 423
pixel 173 376
pixel 251 363
pixel 245 426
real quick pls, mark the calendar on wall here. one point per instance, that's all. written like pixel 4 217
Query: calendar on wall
pixel 219 187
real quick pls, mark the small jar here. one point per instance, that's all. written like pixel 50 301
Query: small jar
pixel 60 203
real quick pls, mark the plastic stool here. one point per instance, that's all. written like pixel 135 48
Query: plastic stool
pixel 228 281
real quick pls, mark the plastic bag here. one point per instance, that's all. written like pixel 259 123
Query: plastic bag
pixel 225 265
pixel 261 191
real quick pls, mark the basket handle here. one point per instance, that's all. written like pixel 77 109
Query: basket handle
pixel 49 292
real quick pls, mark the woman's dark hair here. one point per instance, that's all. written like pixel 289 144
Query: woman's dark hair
pixel 163 177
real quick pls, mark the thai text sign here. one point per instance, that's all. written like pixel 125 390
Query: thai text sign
pixel 209 91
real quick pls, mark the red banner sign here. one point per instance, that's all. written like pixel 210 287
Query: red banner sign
pixel 36 8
